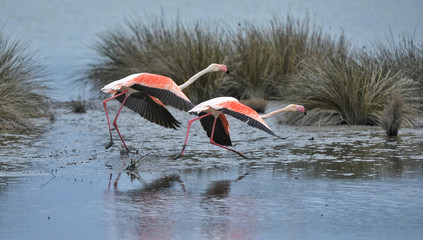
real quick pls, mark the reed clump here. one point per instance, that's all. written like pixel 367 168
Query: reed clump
pixel 346 90
pixel 265 56
pixel 258 104
pixel 20 98
pixel 402 54
pixel 392 116
pixel 78 106
pixel 176 50
pixel 287 59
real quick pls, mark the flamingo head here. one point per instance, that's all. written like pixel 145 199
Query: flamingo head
pixel 214 67
pixel 295 108
pixel 301 108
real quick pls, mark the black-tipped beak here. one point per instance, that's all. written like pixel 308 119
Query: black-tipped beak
pixel 305 113
pixel 227 71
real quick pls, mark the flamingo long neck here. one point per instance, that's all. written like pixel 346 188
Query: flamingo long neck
pixel 271 114
pixel 193 78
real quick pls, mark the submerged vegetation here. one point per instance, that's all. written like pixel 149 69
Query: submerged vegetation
pixel 20 100
pixel 286 59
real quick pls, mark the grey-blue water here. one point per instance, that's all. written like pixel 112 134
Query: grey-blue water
pixel 320 183
pixel 64 31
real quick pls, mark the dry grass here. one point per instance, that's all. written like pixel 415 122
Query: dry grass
pixel 260 58
pixel 392 116
pixel 264 57
pixel 403 55
pixel 176 51
pixel 343 90
pixel 284 59
pixel 258 104
pixel 19 90
pixel 78 106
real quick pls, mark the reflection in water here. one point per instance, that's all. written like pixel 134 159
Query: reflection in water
pixel 161 183
pixel 160 210
pixel 220 189
pixel 142 213
pixel 222 215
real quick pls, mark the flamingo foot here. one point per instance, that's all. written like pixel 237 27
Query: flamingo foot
pixel 181 154
pixel 178 156
pixel 126 151
pixel 109 144
pixel 242 155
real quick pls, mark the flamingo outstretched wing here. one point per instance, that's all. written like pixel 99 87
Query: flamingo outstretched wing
pixel 151 109
pixel 245 114
pixel 161 87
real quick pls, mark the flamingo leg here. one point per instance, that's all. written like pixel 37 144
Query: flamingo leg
pixel 115 183
pixel 107 116
pixel 186 139
pixel 212 142
pixel 115 123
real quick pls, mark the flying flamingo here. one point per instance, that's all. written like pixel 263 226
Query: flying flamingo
pixel 216 109
pixel 144 92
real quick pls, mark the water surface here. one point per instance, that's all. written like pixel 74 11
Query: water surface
pixel 319 183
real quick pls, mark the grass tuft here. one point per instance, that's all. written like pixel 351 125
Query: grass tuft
pixel 78 106
pixel 264 57
pixel 20 98
pixel 258 104
pixel 392 116
pixel 177 51
pixel 348 91
pixel 287 59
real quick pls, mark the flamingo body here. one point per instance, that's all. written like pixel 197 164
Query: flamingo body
pixel 234 108
pixel 147 94
pixel 217 107
pixel 158 86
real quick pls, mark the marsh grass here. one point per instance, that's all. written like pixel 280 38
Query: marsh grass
pixel 392 116
pixel 260 57
pixel 402 54
pixel 287 59
pixel 258 104
pixel 20 98
pixel 177 51
pixel 78 106
pixel 265 56
pixel 344 90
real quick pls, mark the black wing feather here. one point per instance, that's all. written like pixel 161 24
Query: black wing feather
pixel 220 136
pixel 250 121
pixel 150 110
pixel 167 97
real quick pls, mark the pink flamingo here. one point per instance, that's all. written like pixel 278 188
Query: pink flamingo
pixel 216 108
pixel 144 92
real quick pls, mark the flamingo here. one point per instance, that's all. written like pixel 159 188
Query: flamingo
pixel 216 108
pixel 144 92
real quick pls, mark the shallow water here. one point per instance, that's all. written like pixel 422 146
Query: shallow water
pixel 319 183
